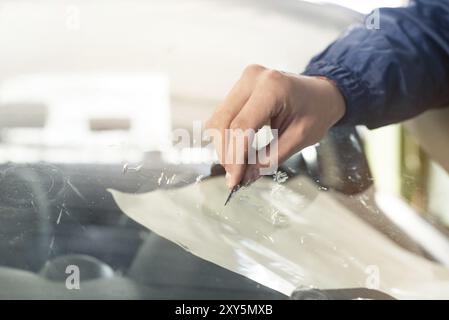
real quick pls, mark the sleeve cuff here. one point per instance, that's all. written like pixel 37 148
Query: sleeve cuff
pixel 355 92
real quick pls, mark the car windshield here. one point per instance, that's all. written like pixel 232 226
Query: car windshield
pixel 109 189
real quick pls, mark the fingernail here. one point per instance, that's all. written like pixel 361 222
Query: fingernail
pixel 228 180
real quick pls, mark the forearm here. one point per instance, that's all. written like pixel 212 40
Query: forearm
pixel 394 73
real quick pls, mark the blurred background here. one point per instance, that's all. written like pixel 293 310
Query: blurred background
pixel 107 81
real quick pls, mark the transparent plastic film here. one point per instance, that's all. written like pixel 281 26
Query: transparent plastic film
pixel 284 236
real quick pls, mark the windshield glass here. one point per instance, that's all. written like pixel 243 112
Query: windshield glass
pixel 109 188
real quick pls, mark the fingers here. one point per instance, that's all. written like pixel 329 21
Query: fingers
pixel 301 108
pixel 254 100
pixel 253 116
pixel 278 151
pixel 223 116
pixel 233 103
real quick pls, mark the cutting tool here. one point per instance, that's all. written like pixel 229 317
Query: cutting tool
pixel 218 170
pixel 234 190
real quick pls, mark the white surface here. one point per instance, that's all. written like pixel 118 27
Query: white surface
pixel 284 236
pixel 72 100
pixel 365 6
pixel 202 46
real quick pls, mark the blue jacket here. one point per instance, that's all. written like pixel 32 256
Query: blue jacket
pixel 395 72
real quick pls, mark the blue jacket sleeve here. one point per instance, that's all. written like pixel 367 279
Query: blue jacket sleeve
pixel 395 72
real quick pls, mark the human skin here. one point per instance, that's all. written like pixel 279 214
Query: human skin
pixel 301 108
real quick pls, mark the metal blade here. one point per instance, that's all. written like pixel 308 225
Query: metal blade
pixel 234 190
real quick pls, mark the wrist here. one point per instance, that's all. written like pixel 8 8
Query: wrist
pixel 334 100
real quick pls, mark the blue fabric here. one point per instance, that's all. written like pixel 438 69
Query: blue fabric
pixel 393 73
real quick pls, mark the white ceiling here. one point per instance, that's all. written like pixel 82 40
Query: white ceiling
pixel 201 45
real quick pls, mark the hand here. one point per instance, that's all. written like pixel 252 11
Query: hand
pixel 302 108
